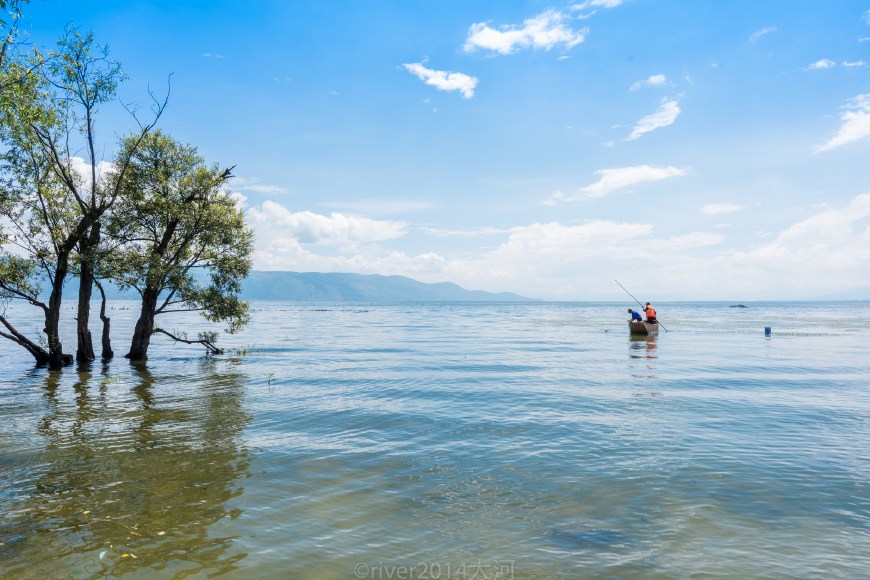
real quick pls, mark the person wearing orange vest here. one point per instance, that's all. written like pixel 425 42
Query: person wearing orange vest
pixel 650 313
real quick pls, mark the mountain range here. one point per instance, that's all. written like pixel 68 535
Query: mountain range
pixel 336 287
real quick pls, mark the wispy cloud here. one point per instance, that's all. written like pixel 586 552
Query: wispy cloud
pixel 475 233
pixel 253 184
pixel 211 55
pixel 543 31
pixel 666 115
pixel 617 178
pixel 853 63
pixel 856 124
pixel 722 208
pixel 597 4
pixel 659 80
pixel 867 18
pixel 756 36
pixel 381 206
pixel 822 64
pixel 443 80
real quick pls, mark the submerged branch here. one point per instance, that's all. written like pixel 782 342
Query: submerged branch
pixel 206 341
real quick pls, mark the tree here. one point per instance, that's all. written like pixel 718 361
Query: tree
pixel 52 208
pixel 184 243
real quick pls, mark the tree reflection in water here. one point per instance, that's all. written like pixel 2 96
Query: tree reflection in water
pixel 134 473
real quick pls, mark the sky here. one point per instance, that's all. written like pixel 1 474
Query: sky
pixel 702 150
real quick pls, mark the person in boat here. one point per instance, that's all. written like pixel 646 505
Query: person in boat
pixel 635 315
pixel 650 313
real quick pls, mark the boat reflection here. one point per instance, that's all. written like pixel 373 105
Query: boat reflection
pixel 643 348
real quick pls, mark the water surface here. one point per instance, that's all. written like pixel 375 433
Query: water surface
pixel 512 440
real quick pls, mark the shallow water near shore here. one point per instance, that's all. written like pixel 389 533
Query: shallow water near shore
pixel 533 440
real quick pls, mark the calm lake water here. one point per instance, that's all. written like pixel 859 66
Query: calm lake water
pixel 448 440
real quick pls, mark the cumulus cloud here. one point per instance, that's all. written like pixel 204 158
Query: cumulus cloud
pixel 653 81
pixel 756 36
pixel 443 80
pixel 570 261
pixel 83 169
pixel 618 178
pixel 855 124
pixel 722 208
pixel 822 64
pixel 832 245
pixel 543 31
pixel 666 115
pixel 276 224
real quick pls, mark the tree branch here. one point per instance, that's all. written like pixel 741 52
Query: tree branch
pixel 208 344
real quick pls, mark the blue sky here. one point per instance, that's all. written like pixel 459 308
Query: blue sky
pixel 691 150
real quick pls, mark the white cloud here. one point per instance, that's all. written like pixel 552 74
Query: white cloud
pixel 867 17
pixel 722 208
pixel 853 64
pixel 666 115
pixel 211 55
pixel 756 36
pixel 83 169
pixel 653 81
pixel 276 224
pixel 822 64
pixel 544 31
pixel 443 80
pixel 618 178
pixel 856 124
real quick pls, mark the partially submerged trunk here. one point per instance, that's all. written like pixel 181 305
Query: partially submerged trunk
pixel 85 345
pixel 56 358
pixel 144 326
pixel 106 341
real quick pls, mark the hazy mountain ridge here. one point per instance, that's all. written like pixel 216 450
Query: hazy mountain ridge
pixel 335 287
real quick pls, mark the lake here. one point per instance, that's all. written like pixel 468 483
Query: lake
pixel 444 440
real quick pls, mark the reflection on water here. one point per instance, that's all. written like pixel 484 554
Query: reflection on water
pixel 126 477
pixel 642 351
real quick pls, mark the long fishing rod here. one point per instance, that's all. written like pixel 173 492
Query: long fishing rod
pixel 638 302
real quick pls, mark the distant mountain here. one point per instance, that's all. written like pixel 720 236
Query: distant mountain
pixel 331 287
pixel 334 287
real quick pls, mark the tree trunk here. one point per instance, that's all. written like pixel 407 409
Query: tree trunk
pixel 88 244
pixel 144 326
pixel 108 353
pixel 56 358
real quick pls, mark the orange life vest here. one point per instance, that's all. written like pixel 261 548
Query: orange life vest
pixel 650 312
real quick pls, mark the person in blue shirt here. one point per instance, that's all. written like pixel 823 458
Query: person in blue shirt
pixel 635 315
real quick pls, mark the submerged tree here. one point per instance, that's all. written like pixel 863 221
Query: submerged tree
pixel 53 197
pixel 184 243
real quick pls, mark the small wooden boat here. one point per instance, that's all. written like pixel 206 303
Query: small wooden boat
pixel 641 327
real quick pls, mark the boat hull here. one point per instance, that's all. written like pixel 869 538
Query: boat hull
pixel 641 327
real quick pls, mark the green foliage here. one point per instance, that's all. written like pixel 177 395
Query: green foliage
pixel 180 235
